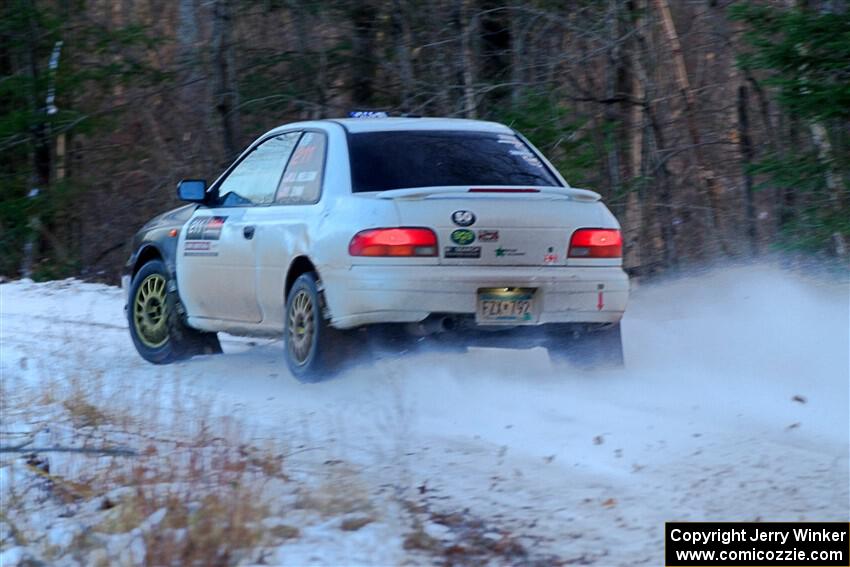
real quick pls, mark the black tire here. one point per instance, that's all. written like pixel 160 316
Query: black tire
pixel 156 325
pixel 313 349
pixel 593 348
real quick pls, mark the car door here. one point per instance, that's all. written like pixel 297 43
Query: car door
pixel 216 270
pixel 285 226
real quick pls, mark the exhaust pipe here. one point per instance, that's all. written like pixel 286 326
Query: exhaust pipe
pixel 430 326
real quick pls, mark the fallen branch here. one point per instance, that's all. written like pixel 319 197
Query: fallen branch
pixel 118 451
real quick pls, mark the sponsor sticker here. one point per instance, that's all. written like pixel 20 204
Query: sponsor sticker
pixel 303 154
pixel 463 218
pixel 488 235
pixel 462 252
pixel 205 228
pixel 200 248
pixel 520 150
pixel 463 236
pixel 306 176
pixel 501 252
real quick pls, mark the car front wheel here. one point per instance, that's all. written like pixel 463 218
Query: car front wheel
pixel 158 332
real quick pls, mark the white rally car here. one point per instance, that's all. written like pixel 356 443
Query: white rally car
pixel 456 231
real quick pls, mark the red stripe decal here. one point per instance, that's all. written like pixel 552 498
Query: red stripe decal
pixel 502 190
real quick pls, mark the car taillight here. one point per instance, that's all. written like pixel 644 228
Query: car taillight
pixel 596 243
pixel 394 242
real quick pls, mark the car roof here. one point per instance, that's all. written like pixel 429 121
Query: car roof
pixel 358 125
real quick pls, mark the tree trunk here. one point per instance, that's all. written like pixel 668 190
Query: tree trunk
pixel 467 60
pixel 517 34
pixel 820 138
pixel 226 92
pixel 706 175
pixel 661 201
pixel 633 217
pixel 770 140
pixel 401 22
pixel 363 48
pixel 193 95
pixel 612 119
pixel 40 156
pixel 746 149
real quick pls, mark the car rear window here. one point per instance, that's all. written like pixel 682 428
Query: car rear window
pixel 397 160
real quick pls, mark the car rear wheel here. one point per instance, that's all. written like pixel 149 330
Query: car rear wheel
pixel 158 332
pixel 314 350
pixel 590 348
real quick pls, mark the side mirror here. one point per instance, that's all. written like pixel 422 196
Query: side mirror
pixel 192 190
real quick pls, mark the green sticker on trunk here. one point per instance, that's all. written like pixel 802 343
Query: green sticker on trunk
pixel 463 236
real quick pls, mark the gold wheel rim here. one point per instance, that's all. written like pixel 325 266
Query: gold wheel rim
pixel 150 311
pixel 300 326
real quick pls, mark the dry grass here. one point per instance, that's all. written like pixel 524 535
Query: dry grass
pixel 150 473
pixel 83 413
pixel 184 488
pixel 341 493
pixel 192 501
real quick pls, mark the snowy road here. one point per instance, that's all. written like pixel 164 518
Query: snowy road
pixel 733 406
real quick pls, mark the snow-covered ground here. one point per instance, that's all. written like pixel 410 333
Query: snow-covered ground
pixel 734 405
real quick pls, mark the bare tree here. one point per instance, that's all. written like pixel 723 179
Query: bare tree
pixel 224 72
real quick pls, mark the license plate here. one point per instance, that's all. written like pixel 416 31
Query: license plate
pixel 504 306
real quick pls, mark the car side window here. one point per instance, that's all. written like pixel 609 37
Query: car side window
pixel 255 179
pixel 302 181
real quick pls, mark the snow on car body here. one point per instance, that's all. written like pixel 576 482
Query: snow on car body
pixel 440 223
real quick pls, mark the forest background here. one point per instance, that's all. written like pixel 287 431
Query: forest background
pixel 714 129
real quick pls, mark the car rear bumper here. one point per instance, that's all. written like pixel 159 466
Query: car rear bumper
pixel 365 295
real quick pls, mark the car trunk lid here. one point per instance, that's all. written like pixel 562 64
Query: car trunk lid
pixel 500 226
